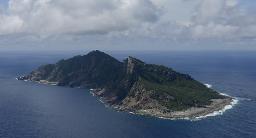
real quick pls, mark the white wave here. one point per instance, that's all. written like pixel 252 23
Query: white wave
pixel 208 85
pixel 93 94
pixel 131 112
pixel 215 113
pixel 235 101
pixel 220 112
pixel 101 100
pixel 224 94
pixel 243 99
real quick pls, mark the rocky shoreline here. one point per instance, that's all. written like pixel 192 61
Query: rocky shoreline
pixel 217 105
pixel 191 113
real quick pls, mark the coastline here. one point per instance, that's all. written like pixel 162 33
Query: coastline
pixel 220 112
pixel 217 107
pixel 195 114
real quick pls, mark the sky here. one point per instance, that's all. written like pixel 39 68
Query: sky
pixel 128 25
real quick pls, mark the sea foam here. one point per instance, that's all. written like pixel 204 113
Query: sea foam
pixel 220 112
pixel 208 85
pixel 215 113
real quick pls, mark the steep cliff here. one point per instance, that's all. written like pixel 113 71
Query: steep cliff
pixel 130 85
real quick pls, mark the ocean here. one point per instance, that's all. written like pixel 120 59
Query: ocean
pixel 30 109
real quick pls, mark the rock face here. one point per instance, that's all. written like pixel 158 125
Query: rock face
pixel 130 85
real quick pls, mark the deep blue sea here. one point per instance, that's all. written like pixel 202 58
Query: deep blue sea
pixel 29 109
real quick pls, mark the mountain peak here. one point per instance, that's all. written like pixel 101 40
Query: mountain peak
pixel 134 60
pixel 132 63
pixel 96 52
pixel 100 56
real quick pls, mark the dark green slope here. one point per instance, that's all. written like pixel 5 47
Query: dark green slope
pixel 129 79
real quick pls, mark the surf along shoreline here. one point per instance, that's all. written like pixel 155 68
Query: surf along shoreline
pixel 217 107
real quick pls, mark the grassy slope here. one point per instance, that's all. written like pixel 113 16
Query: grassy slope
pixel 184 91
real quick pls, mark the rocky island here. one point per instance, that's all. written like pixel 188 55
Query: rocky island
pixel 133 85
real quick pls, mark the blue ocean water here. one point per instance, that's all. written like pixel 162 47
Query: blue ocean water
pixel 34 110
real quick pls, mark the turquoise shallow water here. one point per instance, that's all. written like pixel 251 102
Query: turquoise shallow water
pixel 33 110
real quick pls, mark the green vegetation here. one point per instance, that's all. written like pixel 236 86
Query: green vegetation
pixel 171 89
pixel 174 90
pixel 183 93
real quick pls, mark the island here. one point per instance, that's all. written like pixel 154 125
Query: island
pixel 134 86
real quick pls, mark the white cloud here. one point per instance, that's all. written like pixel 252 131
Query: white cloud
pixel 82 16
pixel 231 3
pixel 212 30
pixel 10 24
pixel 171 19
